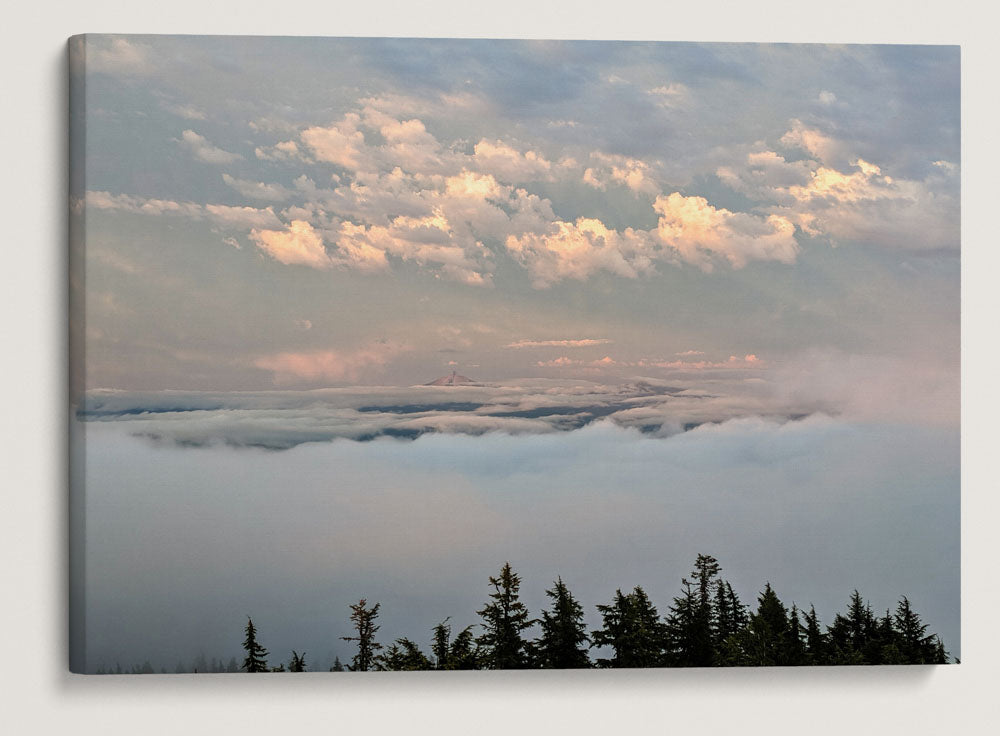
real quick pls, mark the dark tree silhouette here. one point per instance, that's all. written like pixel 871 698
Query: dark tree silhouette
pixel 403 655
pixel 794 650
pixel 457 654
pixel 764 641
pixel 256 659
pixel 503 621
pixel 816 644
pixel 363 619
pixel 915 644
pixel 298 662
pixel 633 630
pixel 563 643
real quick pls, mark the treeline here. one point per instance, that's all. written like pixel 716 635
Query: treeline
pixel 707 626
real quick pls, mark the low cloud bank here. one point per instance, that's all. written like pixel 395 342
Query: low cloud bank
pixel 283 419
pixel 182 544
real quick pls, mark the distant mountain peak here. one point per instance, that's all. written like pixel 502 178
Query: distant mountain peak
pixel 451 380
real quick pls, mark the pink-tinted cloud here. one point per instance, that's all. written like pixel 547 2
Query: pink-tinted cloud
pixel 509 164
pixel 584 343
pixel 299 245
pixel 699 232
pixel 734 362
pixel 577 250
pixel 341 143
pixel 330 365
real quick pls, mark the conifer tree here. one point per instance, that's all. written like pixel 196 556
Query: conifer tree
pixel 256 659
pixel 503 621
pixel 916 646
pixel 850 634
pixel 816 652
pixel 439 648
pixel 403 655
pixel 763 642
pixel 563 643
pixel 632 628
pixel 463 653
pixel 336 666
pixel 298 662
pixel 363 619
pixel 794 651
pixel 681 628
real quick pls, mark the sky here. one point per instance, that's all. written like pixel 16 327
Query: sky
pixel 708 295
pixel 269 213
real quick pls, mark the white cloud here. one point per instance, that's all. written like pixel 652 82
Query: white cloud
pixel 577 250
pixel 866 205
pixel 114 56
pixel 257 190
pixel 221 215
pixel 633 173
pixel 199 146
pixel 763 174
pixel 815 142
pixel 341 143
pixel 699 232
pixel 508 164
pixel 282 151
pixel 298 245
pixel 241 217
pixel 428 241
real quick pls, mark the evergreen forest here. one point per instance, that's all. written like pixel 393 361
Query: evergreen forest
pixel 707 625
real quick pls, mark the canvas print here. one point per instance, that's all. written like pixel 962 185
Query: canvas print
pixel 430 354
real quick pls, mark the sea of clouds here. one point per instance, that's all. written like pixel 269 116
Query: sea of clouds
pixel 186 537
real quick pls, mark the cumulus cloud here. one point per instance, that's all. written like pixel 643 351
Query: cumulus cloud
pixel 866 205
pixel 428 241
pixel 632 173
pixel 257 190
pixel 299 244
pixel 577 250
pixel 202 150
pixel 241 217
pixel 508 164
pixel 113 55
pixel 281 151
pixel 341 143
pixel 698 232
pixel 812 140
pixel 102 200
pixel 186 111
pixel 763 175
pixel 220 215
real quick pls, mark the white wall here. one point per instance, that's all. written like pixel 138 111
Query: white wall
pixel 41 697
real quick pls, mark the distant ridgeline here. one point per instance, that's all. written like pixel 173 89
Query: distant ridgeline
pixel 707 626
